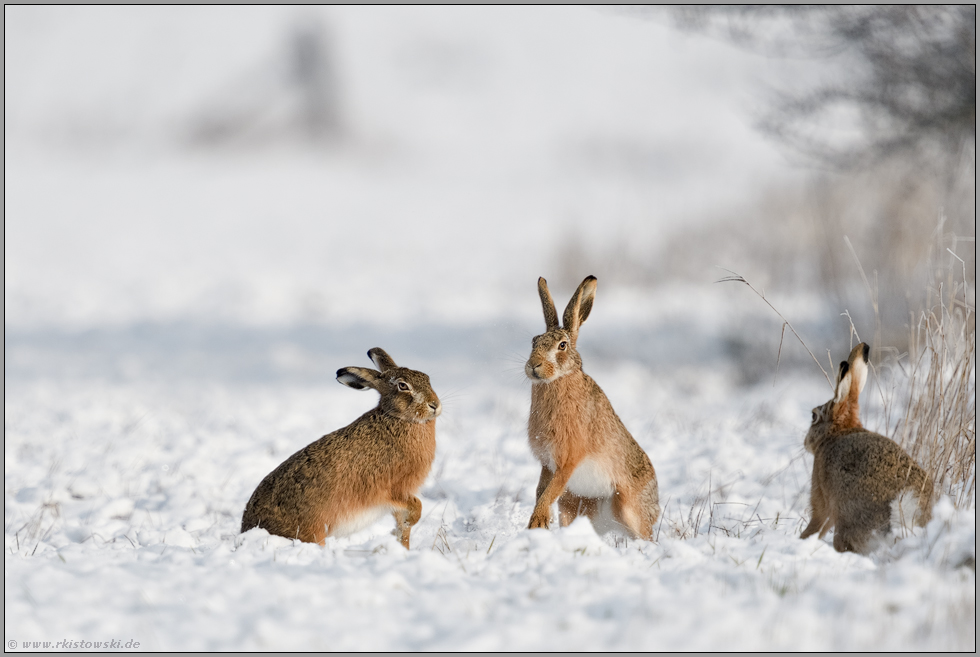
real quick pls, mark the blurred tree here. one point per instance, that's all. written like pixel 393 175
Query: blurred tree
pixel 314 77
pixel 893 108
pixel 291 95
pixel 908 76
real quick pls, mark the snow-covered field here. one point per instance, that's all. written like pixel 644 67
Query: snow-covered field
pixel 123 499
pixel 174 319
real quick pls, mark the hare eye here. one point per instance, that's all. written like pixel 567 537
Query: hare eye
pixel 402 385
pixel 813 417
pixel 562 345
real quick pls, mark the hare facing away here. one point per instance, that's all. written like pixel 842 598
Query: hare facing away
pixel 589 461
pixel 863 483
pixel 347 479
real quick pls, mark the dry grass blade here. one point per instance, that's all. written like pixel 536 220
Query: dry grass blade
pixel 738 278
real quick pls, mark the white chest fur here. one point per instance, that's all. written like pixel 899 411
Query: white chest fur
pixel 590 480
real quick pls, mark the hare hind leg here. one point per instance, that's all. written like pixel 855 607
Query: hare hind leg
pixel 571 506
pixel 636 512
pixel 650 501
pixel 405 518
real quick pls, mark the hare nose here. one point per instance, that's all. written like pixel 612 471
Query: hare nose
pixel 435 406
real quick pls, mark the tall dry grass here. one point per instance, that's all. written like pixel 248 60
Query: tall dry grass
pixel 937 413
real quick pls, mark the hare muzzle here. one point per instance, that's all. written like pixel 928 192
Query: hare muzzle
pixel 434 409
pixel 539 371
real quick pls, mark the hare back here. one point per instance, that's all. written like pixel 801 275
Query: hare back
pixel 860 461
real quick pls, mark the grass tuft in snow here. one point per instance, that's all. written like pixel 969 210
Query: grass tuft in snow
pixel 939 414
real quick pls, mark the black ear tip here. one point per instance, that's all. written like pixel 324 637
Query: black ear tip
pixel 865 352
pixel 590 277
pixel 341 372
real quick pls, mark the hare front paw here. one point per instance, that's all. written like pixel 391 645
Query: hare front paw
pixel 539 520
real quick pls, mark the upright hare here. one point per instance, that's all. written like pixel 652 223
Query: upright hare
pixel 349 478
pixel 862 482
pixel 589 461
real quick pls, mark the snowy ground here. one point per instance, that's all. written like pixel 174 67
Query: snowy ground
pixel 124 493
pixel 174 317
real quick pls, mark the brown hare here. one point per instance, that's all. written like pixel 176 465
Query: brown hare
pixel 589 461
pixel 349 478
pixel 863 483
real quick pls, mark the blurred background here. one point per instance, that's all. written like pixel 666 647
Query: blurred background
pixel 261 191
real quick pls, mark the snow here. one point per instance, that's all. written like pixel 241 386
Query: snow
pixel 174 319
pixel 124 499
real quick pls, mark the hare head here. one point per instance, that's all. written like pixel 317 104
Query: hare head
pixel 553 353
pixel 405 394
pixel 841 412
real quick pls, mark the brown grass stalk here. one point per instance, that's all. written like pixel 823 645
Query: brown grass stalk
pixel 939 410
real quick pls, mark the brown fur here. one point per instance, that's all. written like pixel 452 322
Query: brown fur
pixel 857 474
pixel 572 424
pixel 379 460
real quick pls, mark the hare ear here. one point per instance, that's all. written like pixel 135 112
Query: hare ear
pixel 381 359
pixel 580 305
pixel 547 305
pixel 359 378
pixel 858 363
pixel 843 382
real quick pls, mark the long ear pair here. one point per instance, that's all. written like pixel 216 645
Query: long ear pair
pixel 577 310
pixel 362 378
pixel 851 377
